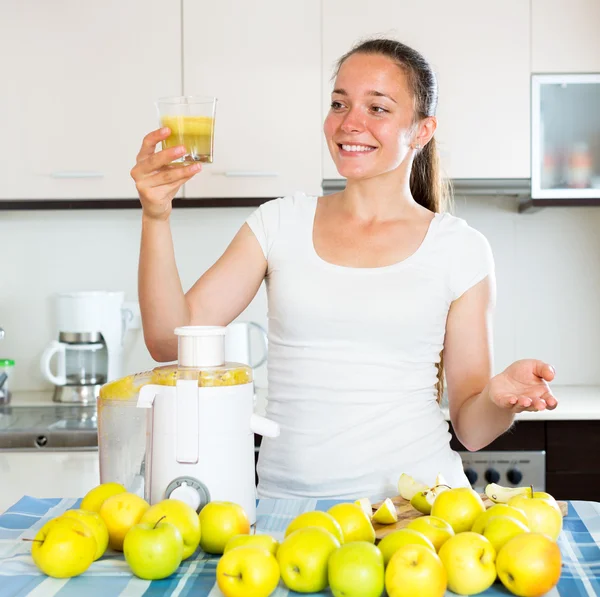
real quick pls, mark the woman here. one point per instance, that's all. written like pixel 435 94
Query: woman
pixel 367 288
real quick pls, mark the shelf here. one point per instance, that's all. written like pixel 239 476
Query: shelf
pixel 527 204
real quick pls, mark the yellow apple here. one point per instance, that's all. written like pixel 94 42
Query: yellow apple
pixel 265 541
pixel 63 547
pixel 390 544
pixel 529 564
pixel 469 559
pixel 419 502
pixel 219 522
pixel 415 571
pixel 94 498
pixel 353 522
pixel 542 516
pixel 180 514
pixel 356 569
pixel 120 512
pixel 365 505
pixel 460 507
pixel 386 513
pixel 499 529
pixel 497 510
pixel 438 531
pixel 303 557
pixel 247 570
pixel 94 522
pixel 153 550
pixel 316 518
pixel 408 486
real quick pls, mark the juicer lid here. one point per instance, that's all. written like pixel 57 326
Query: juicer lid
pixel 201 345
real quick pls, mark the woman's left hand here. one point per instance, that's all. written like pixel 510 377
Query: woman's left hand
pixel 524 386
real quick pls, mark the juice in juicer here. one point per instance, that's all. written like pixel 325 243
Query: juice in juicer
pixel 184 431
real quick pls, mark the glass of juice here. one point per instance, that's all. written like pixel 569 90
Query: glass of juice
pixel 191 119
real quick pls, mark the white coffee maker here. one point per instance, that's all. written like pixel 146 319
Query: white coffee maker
pixel 91 330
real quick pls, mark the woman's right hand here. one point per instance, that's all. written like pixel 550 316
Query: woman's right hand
pixel 155 180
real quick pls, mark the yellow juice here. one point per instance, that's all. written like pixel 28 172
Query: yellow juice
pixel 194 132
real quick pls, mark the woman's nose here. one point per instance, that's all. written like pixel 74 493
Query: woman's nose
pixel 352 122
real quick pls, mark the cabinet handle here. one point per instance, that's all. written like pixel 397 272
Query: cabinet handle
pixel 77 174
pixel 251 173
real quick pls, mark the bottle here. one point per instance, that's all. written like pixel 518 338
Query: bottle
pixel 6 368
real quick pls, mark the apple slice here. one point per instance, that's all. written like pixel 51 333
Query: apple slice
pixel 365 506
pixel 408 486
pixel 386 513
pixel 500 494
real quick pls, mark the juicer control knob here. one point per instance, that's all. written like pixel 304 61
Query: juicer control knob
pixel 190 491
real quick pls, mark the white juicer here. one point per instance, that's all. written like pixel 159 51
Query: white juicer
pixel 200 440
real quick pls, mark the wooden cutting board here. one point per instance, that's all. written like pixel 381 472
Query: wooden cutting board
pixel 406 514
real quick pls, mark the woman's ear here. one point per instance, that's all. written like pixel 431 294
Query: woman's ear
pixel 425 130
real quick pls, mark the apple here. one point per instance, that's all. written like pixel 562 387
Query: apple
pixel 500 529
pixel 353 522
pixel 303 557
pixel 63 547
pixel 153 550
pixel 120 512
pixel 95 497
pixel 356 569
pixel 529 564
pixel 219 522
pixel 408 486
pixel 265 541
pixel 542 516
pixel 94 522
pixel 469 559
pixel 180 514
pixel 419 502
pixel 415 571
pixel 459 506
pixel 247 570
pixel 497 510
pixel 316 518
pixel 396 539
pixel 438 531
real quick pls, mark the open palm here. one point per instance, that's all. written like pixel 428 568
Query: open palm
pixel 524 386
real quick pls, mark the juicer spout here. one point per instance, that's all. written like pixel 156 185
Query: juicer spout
pixel 263 426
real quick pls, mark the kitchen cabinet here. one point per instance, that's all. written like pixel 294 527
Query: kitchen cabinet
pixel 83 78
pixel 480 52
pixel 564 36
pixel 263 63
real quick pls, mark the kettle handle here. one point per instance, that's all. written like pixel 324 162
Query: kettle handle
pixel 265 343
pixel 55 347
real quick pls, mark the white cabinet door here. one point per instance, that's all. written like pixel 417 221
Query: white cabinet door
pixel 262 60
pixel 480 52
pixel 46 475
pixel 79 82
pixel 565 36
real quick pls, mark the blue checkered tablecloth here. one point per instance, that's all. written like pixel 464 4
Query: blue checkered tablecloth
pixel 579 544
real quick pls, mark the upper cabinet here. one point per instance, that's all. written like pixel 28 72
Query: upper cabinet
pixel 565 36
pixel 262 60
pixel 480 52
pixel 83 78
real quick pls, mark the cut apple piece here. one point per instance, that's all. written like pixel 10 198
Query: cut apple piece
pixel 386 513
pixel 500 494
pixel 440 480
pixel 365 506
pixel 408 486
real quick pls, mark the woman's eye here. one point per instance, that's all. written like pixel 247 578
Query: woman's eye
pixel 378 109
pixel 336 105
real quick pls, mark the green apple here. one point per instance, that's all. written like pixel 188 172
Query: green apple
pixel 499 529
pixel 497 510
pixel 542 515
pixel 265 541
pixel 219 522
pixel 63 547
pixel 95 523
pixel 438 531
pixel 247 570
pixel 459 506
pixel 316 518
pixel 396 539
pixel 303 557
pixel 153 551
pixel 180 514
pixel 469 559
pixel 415 571
pixel 419 502
pixel 354 523
pixel 356 570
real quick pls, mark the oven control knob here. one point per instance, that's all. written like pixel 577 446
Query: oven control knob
pixel 492 475
pixel 471 475
pixel 514 476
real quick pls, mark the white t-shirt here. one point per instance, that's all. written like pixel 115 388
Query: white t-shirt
pixel 352 354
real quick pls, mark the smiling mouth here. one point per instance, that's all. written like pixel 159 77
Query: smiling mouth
pixel 358 149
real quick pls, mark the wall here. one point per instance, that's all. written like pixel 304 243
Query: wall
pixel 547 270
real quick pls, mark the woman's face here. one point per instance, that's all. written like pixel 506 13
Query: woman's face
pixel 369 125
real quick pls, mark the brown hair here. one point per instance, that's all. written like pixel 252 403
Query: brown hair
pixel 427 185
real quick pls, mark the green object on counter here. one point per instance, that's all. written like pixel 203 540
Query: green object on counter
pixel 7 363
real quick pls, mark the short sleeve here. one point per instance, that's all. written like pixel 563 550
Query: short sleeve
pixel 472 261
pixel 265 222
